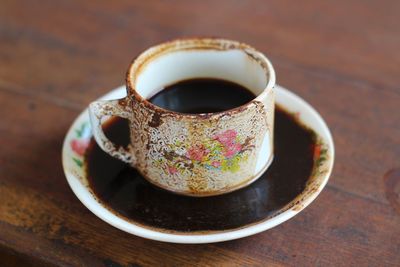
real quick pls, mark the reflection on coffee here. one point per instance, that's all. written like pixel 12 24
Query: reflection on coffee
pixel 202 96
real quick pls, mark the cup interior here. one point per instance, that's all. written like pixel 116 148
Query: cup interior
pixel 167 64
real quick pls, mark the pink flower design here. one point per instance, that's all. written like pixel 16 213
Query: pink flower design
pixel 228 140
pixel 216 164
pixel 197 152
pixel 226 137
pixel 317 151
pixel 79 146
pixel 232 149
pixel 172 169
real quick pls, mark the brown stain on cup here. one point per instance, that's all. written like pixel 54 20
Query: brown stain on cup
pixel 391 181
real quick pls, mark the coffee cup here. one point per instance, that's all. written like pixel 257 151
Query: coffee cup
pixel 194 154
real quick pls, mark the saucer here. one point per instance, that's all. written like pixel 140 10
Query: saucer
pixel 160 215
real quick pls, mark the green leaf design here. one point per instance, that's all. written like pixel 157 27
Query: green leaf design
pixel 81 130
pixel 78 162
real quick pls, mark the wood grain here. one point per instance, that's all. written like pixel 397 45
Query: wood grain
pixel 342 57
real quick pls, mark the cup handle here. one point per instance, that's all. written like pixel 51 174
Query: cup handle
pixel 119 108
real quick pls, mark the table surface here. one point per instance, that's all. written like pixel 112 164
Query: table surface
pixel 341 56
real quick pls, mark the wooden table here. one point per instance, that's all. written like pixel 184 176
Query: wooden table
pixel 343 57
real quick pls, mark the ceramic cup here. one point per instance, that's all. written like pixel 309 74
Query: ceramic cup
pixel 194 154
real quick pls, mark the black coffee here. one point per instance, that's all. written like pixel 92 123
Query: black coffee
pixel 202 96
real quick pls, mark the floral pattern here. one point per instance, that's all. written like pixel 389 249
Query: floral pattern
pixel 223 151
pixel 320 156
pixel 80 143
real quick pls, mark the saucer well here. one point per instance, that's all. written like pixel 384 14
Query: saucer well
pixel 156 214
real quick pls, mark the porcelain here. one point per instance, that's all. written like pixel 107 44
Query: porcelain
pixel 78 136
pixel 195 154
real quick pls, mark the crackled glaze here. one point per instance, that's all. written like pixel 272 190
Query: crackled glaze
pixel 200 154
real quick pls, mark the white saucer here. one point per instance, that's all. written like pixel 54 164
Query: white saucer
pixel 79 133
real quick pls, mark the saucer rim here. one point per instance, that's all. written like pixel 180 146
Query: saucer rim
pixel 90 201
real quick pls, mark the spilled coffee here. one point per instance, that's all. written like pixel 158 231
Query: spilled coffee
pixel 128 194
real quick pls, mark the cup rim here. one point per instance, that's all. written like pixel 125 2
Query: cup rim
pixel 137 65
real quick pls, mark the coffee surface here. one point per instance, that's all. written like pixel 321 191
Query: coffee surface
pixel 203 95
pixel 128 194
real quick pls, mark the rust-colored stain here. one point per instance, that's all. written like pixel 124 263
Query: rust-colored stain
pixel 155 120
pixel 391 181
pixel 123 102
